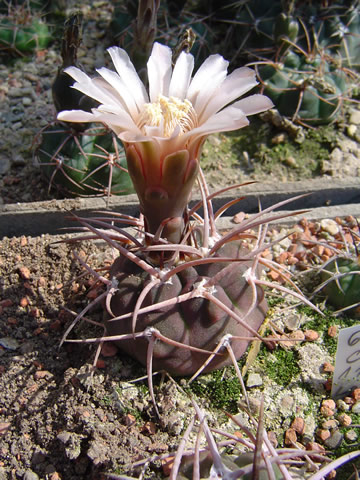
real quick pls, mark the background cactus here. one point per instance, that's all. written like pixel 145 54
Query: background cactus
pixel 79 160
pixel 343 289
pixel 340 277
pixel 83 163
pixel 311 52
pixel 173 18
pixel 308 88
pixel 22 31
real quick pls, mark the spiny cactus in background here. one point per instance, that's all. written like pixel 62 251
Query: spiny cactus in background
pixel 75 158
pixel 308 87
pixel 340 277
pixel 22 31
pixel 89 162
pixel 173 19
pixel 339 31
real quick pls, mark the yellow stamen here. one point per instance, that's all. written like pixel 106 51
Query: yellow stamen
pixel 172 112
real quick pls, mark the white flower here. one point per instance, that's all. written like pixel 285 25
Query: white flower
pixel 164 129
pixel 178 110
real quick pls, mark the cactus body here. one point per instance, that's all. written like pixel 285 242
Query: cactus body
pixel 196 322
pixel 80 163
pixel 344 291
pixel 307 89
pixel 23 38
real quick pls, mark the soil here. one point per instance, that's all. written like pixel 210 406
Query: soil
pixel 59 417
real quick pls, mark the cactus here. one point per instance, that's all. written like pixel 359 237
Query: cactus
pixel 343 289
pixel 180 296
pixel 308 88
pixel 340 276
pixel 22 32
pixel 173 19
pixel 197 322
pixel 83 163
pixel 79 160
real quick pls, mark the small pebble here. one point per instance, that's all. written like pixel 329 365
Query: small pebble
pixel 356 408
pixel 351 436
pixel 311 335
pixel 344 419
pixel 332 331
pixel 291 162
pixel 327 367
pixel 328 408
pixel 290 437
pixel 355 117
pixel 42 374
pixel 254 380
pixel 315 447
pixel 298 425
pixel 330 226
pixel 342 406
pixel 273 438
pixel 330 424
pixel 30 475
pixel 356 394
pixel 322 434
pixel 335 439
pixel 109 349
pixel 25 273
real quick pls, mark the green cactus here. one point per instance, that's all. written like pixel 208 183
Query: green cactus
pixel 83 163
pixel 22 32
pixel 172 22
pixel 307 88
pixel 342 283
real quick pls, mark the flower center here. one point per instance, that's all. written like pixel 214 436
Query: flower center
pixel 170 113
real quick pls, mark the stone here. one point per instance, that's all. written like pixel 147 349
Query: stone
pixel 342 406
pixel 351 436
pixel 344 419
pixel 356 408
pixel 322 434
pixel 356 394
pixel 30 475
pixel 254 380
pixel 351 130
pixel 311 335
pixel 329 403
pixel 330 424
pixel 355 117
pixel 290 437
pixel 327 367
pixel 4 164
pixel 298 425
pixel 335 439
pixel 330 226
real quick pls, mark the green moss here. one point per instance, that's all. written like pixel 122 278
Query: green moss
pixel 280 366
pixel 266 158
pixel 223 392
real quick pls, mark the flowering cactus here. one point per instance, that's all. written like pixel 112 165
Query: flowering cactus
pixel 192 296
